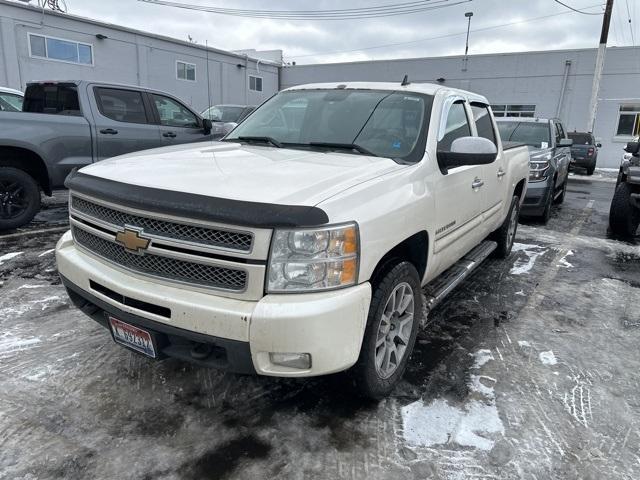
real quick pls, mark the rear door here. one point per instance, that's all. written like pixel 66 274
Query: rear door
pixel 178 124
pixel 460 192
pixel 494 174
pixel 123 121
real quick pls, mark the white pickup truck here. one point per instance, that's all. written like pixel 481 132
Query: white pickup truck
pixel 300 244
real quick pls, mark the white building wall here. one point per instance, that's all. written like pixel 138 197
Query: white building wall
pixel 515 78
pixel 129 57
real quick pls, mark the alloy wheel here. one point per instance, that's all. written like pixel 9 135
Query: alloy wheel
pixel 13 199
pixel 394 330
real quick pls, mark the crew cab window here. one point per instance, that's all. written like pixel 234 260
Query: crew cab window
pixel 484 125
pixel 121 105
pixel 173 114
pixel 457 126
pixel 55 99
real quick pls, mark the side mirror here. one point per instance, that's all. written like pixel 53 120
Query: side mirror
pixel 207 126
pixel 468 151
pixel 565 142
pixel 598 145
pixel 632 147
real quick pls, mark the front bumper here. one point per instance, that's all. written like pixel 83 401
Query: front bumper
pixel 536 197
pixel 329 325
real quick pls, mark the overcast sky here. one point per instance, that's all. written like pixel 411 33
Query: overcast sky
pixel 305 41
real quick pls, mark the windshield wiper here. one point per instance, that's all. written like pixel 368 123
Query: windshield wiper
pixel 344 146
pixel 270 140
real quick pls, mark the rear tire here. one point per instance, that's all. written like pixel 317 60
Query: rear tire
pixel 591 169
pixel 391 331
pixel 19 198
pixel 506 234
pixel 624 218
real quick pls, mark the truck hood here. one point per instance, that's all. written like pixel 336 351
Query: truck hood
pixel 539 153
pixel 242 172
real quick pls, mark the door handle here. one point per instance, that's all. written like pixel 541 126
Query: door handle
pixel 169 135
pixel 477 183
pixel 501 173
pixel 109 131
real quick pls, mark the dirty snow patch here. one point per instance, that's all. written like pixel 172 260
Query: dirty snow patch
pixel 548 358
pixel 10 343
pixel 482 357
pixel 9 256
pixel 563 261
pixel 532 252
pixel 47 252
pixel 524 343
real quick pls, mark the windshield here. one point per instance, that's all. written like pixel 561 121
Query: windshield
pixel 581 138
pixel 381 123
pixel 220 113
pixel 530 133
pixel 10 102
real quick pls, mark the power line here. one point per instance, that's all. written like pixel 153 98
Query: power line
pixel 420 40
pixel 633 42
pixel 575 9
pixel 343 14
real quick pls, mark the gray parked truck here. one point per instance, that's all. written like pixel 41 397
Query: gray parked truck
pixel 584 151
pixel 624 215
pixel 71 124
pixel 550 156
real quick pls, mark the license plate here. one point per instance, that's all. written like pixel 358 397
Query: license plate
pixel 132 337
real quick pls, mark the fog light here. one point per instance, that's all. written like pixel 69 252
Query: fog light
pixel 292 360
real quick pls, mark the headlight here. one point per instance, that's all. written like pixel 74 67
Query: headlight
pixel 538 170
pixel 312 260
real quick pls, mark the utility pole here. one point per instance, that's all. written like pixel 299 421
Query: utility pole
pixel 597 75
pixel 466 48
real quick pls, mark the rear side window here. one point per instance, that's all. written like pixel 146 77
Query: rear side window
pixel 457 126
pixel 52 99
pixel 121 105
pixel 483 122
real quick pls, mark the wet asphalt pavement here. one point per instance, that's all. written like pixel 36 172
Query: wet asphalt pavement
pixel 528 371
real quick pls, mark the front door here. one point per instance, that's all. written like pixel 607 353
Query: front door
pixel 460 193
pixel 123 122
pixel 178 124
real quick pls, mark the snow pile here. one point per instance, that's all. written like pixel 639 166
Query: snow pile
pixel 563 261
pixel 473 424
pixel 548 358
pixel 9 256
pixel 532 253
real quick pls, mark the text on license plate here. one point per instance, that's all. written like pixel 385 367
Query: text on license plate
pixel 132 337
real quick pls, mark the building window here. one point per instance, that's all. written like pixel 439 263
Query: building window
pixel 60 50
pixel 629 121
pixel 186 71
pixel 255 83
pixel 514 110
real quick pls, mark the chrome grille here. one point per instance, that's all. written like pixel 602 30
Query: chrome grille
pixel 228 239
pixel 164 267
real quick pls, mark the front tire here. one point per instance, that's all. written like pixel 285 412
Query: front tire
pixel 506 234
pixel 392 326
pixel 624 218
pixel 19 198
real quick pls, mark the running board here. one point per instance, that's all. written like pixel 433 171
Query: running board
pixel 441 286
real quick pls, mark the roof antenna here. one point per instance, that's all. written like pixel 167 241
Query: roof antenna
pixel 405 81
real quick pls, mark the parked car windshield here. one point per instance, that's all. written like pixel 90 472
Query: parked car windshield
pixel 223 113
pixel 381 123
pixel 10 102
pixel 530 133
pixel 581 138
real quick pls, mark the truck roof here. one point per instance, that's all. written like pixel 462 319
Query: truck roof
pixel 525 119
pixel 11 90
pixel 426 88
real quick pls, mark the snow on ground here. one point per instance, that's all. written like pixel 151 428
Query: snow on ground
pixel 548 358
pixel 532 252
pixel 9 256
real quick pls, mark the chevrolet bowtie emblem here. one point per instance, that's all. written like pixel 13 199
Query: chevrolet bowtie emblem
pixel 132 241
